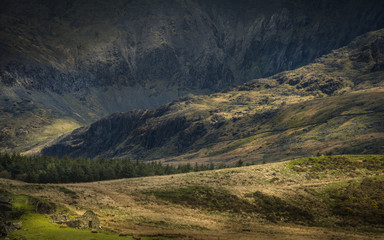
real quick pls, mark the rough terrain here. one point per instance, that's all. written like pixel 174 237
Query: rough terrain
pixel 297 199
pixel 332 105
pixel 65 64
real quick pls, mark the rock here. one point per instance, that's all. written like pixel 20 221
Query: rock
pixel 5 207
pixel 5 204
pixel 174 49
pixel 130 62
pixel 170 130
pixel 94 231
pixel 91 219
pixel 3 228
pixel 6 227
pixel 61 217
pixel 45 207
pixel 17 225
pixel 77 223
pixel 88 220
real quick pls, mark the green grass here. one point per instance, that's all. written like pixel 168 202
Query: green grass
pixel 357 204
pixel 360 202
pixel 338 164
pixel 37 227
pixel 20 205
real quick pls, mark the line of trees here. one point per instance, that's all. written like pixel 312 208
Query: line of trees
pixel 44 169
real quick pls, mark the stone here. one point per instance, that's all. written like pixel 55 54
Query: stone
pixel 5 204
pixel 6 227
pixel 91 219
pixel 45 207
pixel 88 220
pixel 147 63
pixel 17 225
pixel 61 217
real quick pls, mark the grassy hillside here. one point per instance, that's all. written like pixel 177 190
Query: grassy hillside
pixel 333 105
pixel 323 197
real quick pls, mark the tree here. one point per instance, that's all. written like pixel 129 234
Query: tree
pixel 239 163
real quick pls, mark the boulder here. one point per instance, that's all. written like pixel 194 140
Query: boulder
pixel 5 204
pixel 61 217
pixel 7 227
pixel 45 207
pixel 5 208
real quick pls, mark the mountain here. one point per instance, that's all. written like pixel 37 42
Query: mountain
pixel 65 64
pixel 335 104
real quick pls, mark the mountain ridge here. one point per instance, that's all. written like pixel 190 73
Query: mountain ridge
pixel 67 64
pixel 335 92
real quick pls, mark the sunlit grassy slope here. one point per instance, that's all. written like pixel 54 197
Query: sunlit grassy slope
pixel 323 197
pixel 39 226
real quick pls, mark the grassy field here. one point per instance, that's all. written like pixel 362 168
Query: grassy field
pixel 327 197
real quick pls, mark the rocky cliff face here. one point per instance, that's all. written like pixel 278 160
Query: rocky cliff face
pixel 334 104
pixel 75 45
pixel 82 60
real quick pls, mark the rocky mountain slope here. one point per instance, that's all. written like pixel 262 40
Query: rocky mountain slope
pixel 335 104
pixel 64 64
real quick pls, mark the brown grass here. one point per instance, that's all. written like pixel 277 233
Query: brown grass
pixel 268 201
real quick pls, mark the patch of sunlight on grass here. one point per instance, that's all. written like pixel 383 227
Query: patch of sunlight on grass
pixel 232 146
pixel 50 132
pixel 20 204
pixel 60 126
pixel 36 226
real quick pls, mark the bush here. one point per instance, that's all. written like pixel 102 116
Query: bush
pixel 360 203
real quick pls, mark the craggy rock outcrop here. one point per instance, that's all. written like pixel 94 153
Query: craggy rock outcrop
pixel 42 207
pixel 83 60
pixel 5 204
pixel 6 226
pixel 192 123
pixel 138 130
pixel 88 220
pixel 193 44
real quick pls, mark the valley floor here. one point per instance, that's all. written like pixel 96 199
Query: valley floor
pixel 300 199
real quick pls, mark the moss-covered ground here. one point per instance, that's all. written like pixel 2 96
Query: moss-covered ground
pixel 39 226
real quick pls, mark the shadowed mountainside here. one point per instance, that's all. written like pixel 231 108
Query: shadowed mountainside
pixel 74 45
pixel 334 104
pixel 65 64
